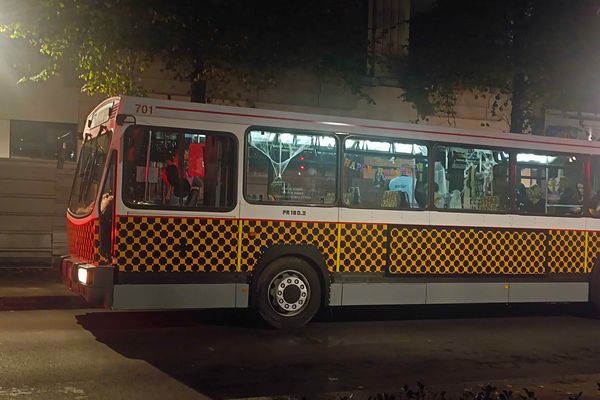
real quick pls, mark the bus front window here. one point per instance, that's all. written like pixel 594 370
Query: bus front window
pixel 89 172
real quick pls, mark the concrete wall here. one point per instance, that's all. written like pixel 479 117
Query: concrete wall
pixel 33 193
pixel 33 203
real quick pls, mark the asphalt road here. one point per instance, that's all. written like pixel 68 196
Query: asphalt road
pixel 94 354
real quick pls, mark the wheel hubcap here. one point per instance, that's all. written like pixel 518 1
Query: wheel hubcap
pixel 289 293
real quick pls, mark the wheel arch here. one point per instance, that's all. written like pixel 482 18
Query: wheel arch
pixel 307 252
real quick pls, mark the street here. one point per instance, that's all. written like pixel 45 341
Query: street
pixel 97 354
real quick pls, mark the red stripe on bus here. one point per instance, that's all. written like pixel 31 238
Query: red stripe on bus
pixel 234 114
pixel 477 136
pixel 376 127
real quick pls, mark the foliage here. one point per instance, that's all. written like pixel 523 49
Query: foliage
pixel 111 43
pixel 537 53
pixel 420 392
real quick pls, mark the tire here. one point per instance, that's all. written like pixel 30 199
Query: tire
pixel 288 293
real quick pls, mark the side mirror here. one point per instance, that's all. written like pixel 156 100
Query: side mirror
pixel 61 149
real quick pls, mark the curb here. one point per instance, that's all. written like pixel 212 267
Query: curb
pixel 41 303
pixel 49 291
pixel 552 390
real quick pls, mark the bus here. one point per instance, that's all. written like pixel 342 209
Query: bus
pixel 179 205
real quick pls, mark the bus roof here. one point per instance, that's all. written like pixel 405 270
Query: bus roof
pixel 147 110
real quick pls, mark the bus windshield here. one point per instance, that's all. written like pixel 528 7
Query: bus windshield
pixel 89 172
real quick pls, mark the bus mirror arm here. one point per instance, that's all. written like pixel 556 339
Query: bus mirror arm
pixel 61 149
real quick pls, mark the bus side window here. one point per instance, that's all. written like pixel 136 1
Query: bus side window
pixel 174 168
pixel 549 184
pixel 384 173
pixel 469 178
pixel 291 166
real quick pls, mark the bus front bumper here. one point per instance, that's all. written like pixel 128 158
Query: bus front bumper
pixel 93 283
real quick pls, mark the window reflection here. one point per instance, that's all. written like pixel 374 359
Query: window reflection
pixel 471 179
pixel 384 174
pixel 291 167
pixel 549 184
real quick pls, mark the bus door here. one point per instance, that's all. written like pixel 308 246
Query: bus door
pixel 179 190
pixel 106 211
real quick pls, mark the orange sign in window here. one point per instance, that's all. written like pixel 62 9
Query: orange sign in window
pixel 196 160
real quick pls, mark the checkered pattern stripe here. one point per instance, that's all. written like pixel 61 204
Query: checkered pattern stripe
pixel 258 236
pixel 363 248
pixel 176 244
pixel 211 245
pixel 84 241
pixel 593 249
pixel 566 251
pixel 466 251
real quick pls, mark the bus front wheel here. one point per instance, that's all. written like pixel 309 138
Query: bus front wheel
pixel 288 293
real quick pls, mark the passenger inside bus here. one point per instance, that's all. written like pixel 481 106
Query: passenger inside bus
pixel 572 200
pixel 521 197
pixel 405 184
pixel 438 197
pixel 196 196
pixel 177 187
pixel 421 194
pixel 536 203
pixel 594 205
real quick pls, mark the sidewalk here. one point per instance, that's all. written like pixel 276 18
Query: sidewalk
pixel 35 288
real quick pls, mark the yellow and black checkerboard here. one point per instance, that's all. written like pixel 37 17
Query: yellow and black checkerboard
pixel 257 236
pixel 363 248
pixel 467 251
pixel 170 244
pixel 154 244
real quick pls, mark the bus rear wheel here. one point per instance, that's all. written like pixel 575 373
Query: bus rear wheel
pixel 288 293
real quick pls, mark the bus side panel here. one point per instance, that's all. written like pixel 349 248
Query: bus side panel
pixel 593 249
pixel 179 296
pixel 363 247
pixel 490 251
pixel 466 250
pixel 176 244
pixel 259 235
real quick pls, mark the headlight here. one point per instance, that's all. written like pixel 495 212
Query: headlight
pixel 82 275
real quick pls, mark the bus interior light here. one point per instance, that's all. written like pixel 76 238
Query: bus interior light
pixel 335 123
pixel 524 157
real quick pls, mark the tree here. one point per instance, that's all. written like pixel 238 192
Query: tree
pixel 110 43
pixel 537 53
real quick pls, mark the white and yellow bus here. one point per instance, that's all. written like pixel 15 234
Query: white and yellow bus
pixel 180 205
